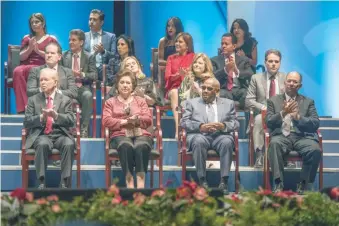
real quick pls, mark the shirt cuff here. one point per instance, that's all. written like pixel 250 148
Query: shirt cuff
pixel 236 73
pixel 40 89
pixel 59 91
pixel 83 74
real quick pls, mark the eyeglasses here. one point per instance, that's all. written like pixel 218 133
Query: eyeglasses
pixel 207 87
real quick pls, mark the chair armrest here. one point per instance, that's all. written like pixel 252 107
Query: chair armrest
pixel 236 141
pixel 23 141
pixel 158 117
pixel 251 120
pixel 263 117
pixel 107 141
pixel 104 72
pixel 78 128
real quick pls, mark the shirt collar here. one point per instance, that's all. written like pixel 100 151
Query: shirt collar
pixel 78 53
pixel 55 67
pixel 270 75
pixel 52 95
pixel 213 102
pixel 99 32
pixel 288 97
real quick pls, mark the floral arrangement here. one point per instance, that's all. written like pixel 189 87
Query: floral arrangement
pixel 189 204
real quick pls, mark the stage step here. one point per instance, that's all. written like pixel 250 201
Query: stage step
pixel 94 177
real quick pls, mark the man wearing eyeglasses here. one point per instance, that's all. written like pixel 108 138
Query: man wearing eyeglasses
pixel 209 122
pixel 262 87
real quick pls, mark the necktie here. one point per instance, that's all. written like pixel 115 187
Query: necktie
pixel 229 78
pixel 272 86
pixel 210 113
pixel 76 67
pixel 286 126
pixel 49 122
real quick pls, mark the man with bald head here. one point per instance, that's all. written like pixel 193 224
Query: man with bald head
pixel 293 121
pixel 209 121
pixel 48 117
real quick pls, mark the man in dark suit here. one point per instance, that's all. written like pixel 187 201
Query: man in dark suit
pixel 293 122
pixel 66 82
pixel 48 117
pixel 262 87
pixel 101 44
pixel 209 121
pixel 233 72
pixel 84 71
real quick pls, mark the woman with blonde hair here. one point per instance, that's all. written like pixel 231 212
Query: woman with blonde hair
pixel 200 69
pixel 145 87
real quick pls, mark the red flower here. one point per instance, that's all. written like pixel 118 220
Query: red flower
pixel 125 203
pixel 235 198
pixel 200 193
pixel 264 192
pixel 334 193
pixel 19 193
pixel 113 190
pixel 192 185
pixel 41 201
pixel 158 193
pixel 56 208
pixel 139 198
pixel 116 200
pixel 281 195
pixel 184 192
pixel 53 198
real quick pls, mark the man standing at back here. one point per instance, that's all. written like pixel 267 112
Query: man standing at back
pixel 262 87
pixel 100 43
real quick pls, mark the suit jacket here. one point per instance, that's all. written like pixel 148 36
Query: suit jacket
pixel 307 125
pixel 87 65
pixel 243 65
pixel 66 81
pixel 108 40
pixel 65 120
pixel 256 94
pixel 195 115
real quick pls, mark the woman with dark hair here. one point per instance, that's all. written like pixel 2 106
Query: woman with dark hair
pixel 125 48
pixel 32 54
pixel 167 43
pixel 246 44
pixel 127 117
pixel 176 70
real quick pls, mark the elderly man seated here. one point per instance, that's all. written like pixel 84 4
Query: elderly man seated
pixel 209 121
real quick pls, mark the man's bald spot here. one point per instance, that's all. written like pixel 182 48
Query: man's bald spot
pixel 215 83
pixel 50 72
pixel 295 73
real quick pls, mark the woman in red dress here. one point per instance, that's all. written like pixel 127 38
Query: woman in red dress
pixel 32 54
pixel 176 69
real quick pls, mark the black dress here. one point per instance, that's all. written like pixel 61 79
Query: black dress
pixel 248 47
pixel 168 50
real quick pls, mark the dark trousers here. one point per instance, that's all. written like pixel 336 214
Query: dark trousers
pixel 222 144
pixel 43 146
pixel 85 99
pixel 309 150
pixel 237 94
pixel 133 152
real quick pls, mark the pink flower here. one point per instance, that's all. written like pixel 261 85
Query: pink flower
pixel 191 184
pixel 41 201
pixel 281 195
pixel 116 200
pixel 139 198
pixel 19 193
pixel 125 203
pixel 113 190
pixel 184 192
pixel 158 193
pixel 235 198
pixel 276 205
pixel 334 193
pixel 264 192
pixel 56 208
pixel 29 196
pixel 200 193
pixel 53 198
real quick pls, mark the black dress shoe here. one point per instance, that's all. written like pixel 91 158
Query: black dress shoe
pixel 278 187
pixel 301 187
pixel 224 188
pixel 41 186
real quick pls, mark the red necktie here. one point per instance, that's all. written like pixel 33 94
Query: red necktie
pixel 76 67
pixel 49 122
pixel 229 77
pixel 272 86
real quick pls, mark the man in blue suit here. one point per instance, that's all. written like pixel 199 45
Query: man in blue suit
pixel 98 42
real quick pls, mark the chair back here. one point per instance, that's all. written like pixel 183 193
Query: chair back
pixel 13 59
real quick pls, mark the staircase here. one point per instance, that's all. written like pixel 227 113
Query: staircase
pixel 92 159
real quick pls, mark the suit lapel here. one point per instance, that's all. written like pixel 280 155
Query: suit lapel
pixel 281 79
pixel 57 101
pixel 69 60
pixel 220 109
pixel 264 83
pixel 202 107
pixel 82 60
pixel 42 101
pixel 300 101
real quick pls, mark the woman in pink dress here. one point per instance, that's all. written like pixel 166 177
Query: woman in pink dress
pixel 32 54
pixel 176 69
